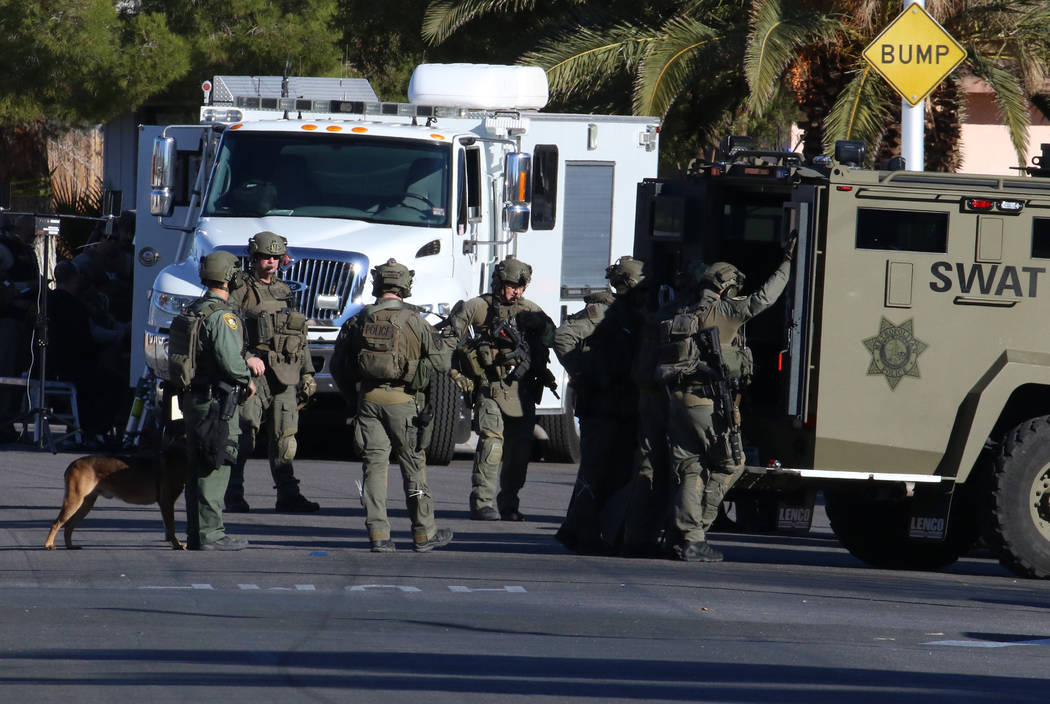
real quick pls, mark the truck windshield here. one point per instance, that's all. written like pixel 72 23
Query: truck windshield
pixel 397 181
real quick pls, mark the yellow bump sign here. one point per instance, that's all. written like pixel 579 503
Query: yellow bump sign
pixel 914 54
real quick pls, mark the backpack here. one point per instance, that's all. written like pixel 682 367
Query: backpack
pixel 385 352
pixel 184 344
pixel 678 355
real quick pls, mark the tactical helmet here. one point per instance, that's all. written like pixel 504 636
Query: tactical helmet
pixel 392 277
pixel 511 271
pixel 723 277
pixel 218 266
pixel 626 273
pixel 267 242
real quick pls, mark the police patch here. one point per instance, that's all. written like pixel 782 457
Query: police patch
pixel 378 330
pixel 894 352
pixel 231 321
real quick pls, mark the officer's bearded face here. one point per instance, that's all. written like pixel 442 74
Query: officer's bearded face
pixel 511 292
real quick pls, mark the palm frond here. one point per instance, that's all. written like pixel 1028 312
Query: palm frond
pixel 861 109
pixel 1010 98
pixel 681 50
pixel 444 17
pixel 776 35
pixel 584 57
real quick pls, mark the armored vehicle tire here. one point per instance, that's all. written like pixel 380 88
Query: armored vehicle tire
pixel 444 397
pixel 876 530
pixel 563 439
pixel 1019 520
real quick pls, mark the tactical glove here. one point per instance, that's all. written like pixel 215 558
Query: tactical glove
pixel 307 387
pixel 463 382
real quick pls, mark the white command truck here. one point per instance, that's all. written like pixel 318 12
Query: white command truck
pixel 465 174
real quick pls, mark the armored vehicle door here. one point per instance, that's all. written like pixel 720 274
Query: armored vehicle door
pixel 744 219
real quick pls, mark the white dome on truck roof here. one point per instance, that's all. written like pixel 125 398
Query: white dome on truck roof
pixel 479 86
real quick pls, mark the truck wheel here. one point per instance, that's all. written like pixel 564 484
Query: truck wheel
pixel 444 402
pixel 1019 530
pixel 563 440
pixel 875 531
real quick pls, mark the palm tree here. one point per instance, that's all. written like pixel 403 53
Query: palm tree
pixel 691 51
pixel 679 59
pixel 843 98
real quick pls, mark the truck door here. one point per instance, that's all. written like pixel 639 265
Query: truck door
pixel 793 362
pixel 155 246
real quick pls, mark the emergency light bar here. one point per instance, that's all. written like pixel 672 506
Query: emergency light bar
pixel 333 107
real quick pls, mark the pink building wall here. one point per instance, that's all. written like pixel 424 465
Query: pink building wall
pixel 986 147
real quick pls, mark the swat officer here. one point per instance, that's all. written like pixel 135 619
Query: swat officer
pixel 280 362
pixel 505 358
pixel 391 352
pixel 220 370
pixel 597 347
pixel 699 432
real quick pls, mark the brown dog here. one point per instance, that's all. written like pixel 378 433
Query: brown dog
pixel 142 479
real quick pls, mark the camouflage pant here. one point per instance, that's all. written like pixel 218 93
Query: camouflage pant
pixel 504 450
pixel 702 467
pixel 274 406
pixel 211 481
pixel 377 429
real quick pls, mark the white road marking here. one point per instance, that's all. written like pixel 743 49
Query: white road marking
pixel 988 643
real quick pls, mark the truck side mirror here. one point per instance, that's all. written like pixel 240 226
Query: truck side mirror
pixel 517 191
pixel 162 177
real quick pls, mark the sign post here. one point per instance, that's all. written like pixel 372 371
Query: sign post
pixel 914 54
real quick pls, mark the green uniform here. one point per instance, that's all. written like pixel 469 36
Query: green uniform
pixel 505 409
pixel 388 413
pixel 702 461
pixel 221 359
pixel 277 335
pixel 597 348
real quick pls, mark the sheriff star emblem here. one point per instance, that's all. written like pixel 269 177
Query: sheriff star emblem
pixel 894 352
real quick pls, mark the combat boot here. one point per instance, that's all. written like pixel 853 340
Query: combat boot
pixel 226 542
pixel 485 513
pixel 441 538
pixel 383 546
pixel 237 504
pixel 699 551
pixel 296 504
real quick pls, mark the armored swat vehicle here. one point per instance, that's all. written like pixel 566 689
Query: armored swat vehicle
pixel 906 370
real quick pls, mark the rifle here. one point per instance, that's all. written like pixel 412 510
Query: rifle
pixel 509 337
pixel 514 348
pixel 724 388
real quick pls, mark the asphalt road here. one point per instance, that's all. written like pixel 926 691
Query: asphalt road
pixel 504 614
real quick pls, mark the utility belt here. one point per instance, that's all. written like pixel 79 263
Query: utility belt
pixel 702 390
pixel 214 389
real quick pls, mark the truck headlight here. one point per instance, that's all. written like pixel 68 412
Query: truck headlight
pixel 165 306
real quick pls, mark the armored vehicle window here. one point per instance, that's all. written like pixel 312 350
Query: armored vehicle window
pixel 752 223
pixel 544 186
pixel 1041 238
pixel 902 230
pixel 668 217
